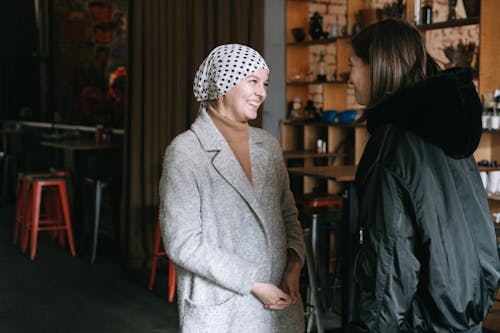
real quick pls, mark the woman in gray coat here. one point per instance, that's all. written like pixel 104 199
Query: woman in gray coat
pixel 227 214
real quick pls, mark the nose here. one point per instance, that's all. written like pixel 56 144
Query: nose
pixel 261 91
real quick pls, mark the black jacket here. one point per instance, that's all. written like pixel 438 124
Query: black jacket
pixel 428 261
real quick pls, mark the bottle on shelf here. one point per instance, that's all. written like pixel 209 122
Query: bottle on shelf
pixel 334 30
pixel 320 68
pixel 417 7
pixel 427 12
pixel 452 14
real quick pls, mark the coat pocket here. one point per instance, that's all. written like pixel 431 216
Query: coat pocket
pixel 208 318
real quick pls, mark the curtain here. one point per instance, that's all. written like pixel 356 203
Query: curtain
pixel 168 41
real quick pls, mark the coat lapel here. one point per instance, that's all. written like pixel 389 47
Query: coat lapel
pixel 225 162
pixel 258 156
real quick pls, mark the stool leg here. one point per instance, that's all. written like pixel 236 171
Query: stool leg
pixel 311 272
pixel 27 216
pixel 63 192
pixel 97 211
pixel 35 218
pixel 56 209
pixel 156 250
pixel 171 280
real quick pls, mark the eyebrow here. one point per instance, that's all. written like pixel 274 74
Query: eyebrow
pixel 256 77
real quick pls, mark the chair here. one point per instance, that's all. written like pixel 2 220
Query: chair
pixel 157 253
pixel 55 200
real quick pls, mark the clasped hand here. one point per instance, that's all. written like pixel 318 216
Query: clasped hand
pixel 276 298
pixel 271 296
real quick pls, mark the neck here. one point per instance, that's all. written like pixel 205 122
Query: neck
pixel 222 111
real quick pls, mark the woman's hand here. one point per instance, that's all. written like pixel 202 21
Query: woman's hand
pixel 291 276
pixel 271 296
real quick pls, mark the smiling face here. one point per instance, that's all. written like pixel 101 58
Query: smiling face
pixel 242 101
pixel 360 79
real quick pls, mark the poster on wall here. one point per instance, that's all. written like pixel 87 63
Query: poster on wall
pixel 89 50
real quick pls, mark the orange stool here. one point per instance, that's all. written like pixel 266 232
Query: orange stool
pixel 157 252
pixel 22 197
pixel 315 202
pixel 57 211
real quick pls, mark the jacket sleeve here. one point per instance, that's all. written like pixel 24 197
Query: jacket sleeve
pixel 295 238
pixel 181 226
pixel 386 269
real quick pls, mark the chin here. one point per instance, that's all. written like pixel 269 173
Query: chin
pixel 251 115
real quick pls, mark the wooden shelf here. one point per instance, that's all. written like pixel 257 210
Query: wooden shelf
pixel 321 123
pixel 306 154
pixel 306 83
pixel 495 197
pixel 487 169
pixel 449 24
pixel 493 131
pixel 321 41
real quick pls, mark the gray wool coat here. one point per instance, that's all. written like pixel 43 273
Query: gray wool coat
pixel 224 233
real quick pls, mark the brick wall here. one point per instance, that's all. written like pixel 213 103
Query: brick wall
pixel 334 12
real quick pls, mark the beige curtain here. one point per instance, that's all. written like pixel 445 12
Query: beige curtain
pixel 168 41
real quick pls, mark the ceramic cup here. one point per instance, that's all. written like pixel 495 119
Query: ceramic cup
pixel 495 122
pixel 484 178
pixel 493 180
pixel 486 121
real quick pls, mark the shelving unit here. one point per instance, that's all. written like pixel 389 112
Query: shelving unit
pixel 488 77
pixel 299 138
pixel 344 143
pixel 449 24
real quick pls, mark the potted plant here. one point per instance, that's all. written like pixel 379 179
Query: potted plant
pixel 394 9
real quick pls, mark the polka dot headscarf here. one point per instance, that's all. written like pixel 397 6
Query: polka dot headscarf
pixel 224 67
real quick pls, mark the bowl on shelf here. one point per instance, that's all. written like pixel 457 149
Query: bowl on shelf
pixel 298 34
pixel 344 76
pixel 329 116
pixel 347 116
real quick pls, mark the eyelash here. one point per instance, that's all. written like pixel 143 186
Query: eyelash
pixel 254 81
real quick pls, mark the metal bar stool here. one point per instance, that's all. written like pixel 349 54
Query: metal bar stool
pixel 23 197
pixel 314 314
pixel 58 213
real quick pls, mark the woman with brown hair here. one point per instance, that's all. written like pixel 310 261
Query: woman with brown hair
pixel 427 258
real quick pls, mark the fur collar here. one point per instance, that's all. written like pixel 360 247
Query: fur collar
pixel 444 110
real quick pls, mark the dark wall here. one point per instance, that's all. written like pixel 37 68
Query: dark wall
pixel 19 61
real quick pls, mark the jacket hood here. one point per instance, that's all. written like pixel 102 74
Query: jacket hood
pixel 444 110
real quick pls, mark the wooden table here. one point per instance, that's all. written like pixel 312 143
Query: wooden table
pixel 343 174
pixel 76 153
pixel 75 145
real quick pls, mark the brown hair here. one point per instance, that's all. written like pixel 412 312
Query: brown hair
pixel 396 55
